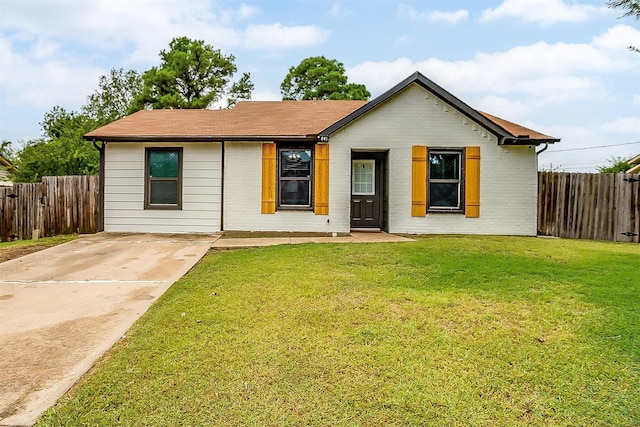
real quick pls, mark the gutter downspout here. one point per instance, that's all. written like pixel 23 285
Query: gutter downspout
pixel 538 233
pixel 222 189
pixel 546 145
pixel 101 175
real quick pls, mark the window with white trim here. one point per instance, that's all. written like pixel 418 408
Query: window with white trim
pixel 363 177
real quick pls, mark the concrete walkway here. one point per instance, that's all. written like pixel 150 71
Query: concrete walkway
pixel 355 237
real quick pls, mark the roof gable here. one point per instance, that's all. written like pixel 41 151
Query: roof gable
pixel 503 129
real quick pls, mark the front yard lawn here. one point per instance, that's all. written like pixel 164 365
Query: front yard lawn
pixel 445 331
pixel 18 248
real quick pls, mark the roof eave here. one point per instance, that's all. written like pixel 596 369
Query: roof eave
pixel 200 138
pixel 520 140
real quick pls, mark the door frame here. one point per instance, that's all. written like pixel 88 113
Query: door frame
pixel 382 182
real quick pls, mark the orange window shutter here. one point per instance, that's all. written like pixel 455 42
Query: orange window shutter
pixel 269 178
pixel 321 180
pixel 472 182
pixel 418 180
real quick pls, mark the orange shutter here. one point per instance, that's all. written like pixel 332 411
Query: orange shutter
pixel 418 180
pixel 269 178
pixel 321 180
pixel 472 182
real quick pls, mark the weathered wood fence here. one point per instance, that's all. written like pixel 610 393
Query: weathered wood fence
pixel 589 206
pixel 57 205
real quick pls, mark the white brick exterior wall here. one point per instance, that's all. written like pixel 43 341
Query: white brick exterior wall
pixel 243 192
pixel 124 190
pixel 508 175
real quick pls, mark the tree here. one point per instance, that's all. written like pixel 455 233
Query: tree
pixel 114 97
pixel 630 8
pixel 6 150
pixel 320 78
pixel 616 165
pixel 61 150
pixel 192 74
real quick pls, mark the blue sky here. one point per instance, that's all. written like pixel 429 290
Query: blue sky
pixel 561 67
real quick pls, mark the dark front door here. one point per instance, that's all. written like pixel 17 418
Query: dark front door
pixel 366 193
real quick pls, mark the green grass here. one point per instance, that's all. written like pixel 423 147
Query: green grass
pixel 10 250
pixel 455 331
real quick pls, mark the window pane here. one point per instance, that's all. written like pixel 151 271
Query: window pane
pixel 443 195
pixel 295 192
pixel 163 164
pixel 295 163
pixel 363 177
pixel 164 192
pixel 444 166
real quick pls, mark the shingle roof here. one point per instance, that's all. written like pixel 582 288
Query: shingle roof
pixel 4 162
pixel 635 164
pixel 297 120
pixel 518 131
pixel 249 120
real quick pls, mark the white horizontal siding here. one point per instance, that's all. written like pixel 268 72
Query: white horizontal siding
pixel 124 190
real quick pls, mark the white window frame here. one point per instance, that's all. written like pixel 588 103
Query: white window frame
pixel 372 162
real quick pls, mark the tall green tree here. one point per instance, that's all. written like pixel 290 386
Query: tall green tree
pixel 114 97
pixel 630 8
pixel 60 151
pixel 320 78
pixel 192 74
pixel 6 150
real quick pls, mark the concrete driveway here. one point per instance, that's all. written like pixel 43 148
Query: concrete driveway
pixel 62 308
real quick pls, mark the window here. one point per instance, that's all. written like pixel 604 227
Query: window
pixel 163 178
pixel 363 177
pixel 294 177
pixel 445 169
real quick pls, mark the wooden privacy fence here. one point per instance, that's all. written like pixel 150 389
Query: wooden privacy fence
pixel 57 205
pixel 589 206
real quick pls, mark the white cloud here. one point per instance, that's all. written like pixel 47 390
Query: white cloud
pixel 338 11
pixel 265 95
pixel 450 17
pixel 619 37
pixel 545 12
pixel 539 73
pixel 503 107
pixel 630 125
pixel 41 77
pixel 569 155
pixel 57 60
pixel 245 11
pixel 275 36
